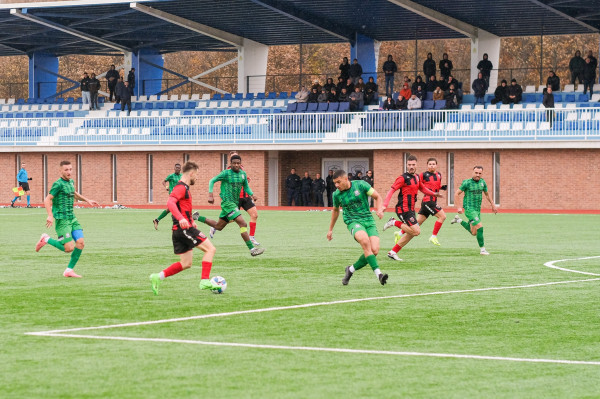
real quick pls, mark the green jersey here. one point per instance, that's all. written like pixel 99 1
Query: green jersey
pixel 473 193
pixel 355 202
pixel 173 178
pixel 63 192
pixel 231 185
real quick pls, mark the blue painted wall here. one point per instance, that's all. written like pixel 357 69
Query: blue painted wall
pixel 364 51
pixel 42 83
pixel 148 78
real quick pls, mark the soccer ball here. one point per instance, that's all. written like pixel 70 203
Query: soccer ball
pixel 221 282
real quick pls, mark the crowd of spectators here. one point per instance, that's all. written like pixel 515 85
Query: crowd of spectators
pixel 121 89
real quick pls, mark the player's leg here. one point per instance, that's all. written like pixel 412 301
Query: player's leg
pixel 411 229
pixel 254 251
pixel 207 260
pixel 253 213
pixel 370 245
pixel 441 218
pixel 159 218
pixel 28 198
pixel 477 230
pixel 183 244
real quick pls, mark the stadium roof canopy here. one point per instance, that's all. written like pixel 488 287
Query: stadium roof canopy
pixel 113 26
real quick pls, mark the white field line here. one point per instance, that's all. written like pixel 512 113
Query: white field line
pixel 77 210
pixel 552 265
pixel 336 350
pixel 307 305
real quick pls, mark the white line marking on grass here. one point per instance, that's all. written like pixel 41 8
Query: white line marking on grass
pixel 337 350
pixel 552 262
pixel 307 305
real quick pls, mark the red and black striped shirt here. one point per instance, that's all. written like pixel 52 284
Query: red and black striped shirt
pixel 408 185
pixel 180 204
pixel 432 181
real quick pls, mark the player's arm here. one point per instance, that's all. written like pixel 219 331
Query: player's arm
pixel 248 190
pixel 211 184
pixel 80 197
pixel 334 217
pixel 395 187
pixel 494 208
pixel 177 194
pixel 378 202
pixel 166 184
pixel 458 199
pixel 48 206
pixel 427 191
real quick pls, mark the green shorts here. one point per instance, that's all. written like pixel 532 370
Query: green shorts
pixel 473 216
pixel 370 227
pixel 65 228
pixel 229 211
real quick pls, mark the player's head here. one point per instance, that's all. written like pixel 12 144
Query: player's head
pixel 190 169
pixel 370 173
pixel 232 153
pixel 293 171
pixel 305 174
pixel 318 175
pixel 431 164
pixel 330 172
pixel 411 164
pixel 23 165
pixel 340 179
pixel 177 168
pixel 66 169
pixel 236 163
pixel 477 172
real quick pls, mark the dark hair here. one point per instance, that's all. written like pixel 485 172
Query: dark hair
pixel 235 157
pixel 339 173
pixel 478 167
pixel 411 158
pixel 177 164
pixel 189 165
pixel 63 163
pixel 432 159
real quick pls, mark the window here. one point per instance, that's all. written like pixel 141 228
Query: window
pixel 186 158
pixel 114 177
pixel 224 161
pixel 404 160
pixel 450 178
pixel 45 171
pixel 18 167
pixel 150 176
pixel 79 174
pixel 497 178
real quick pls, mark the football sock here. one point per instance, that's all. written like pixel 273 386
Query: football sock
pixel 202 219
pixel 401 231
pixel 352 269
pixel 436 228
pixel 74 257
pixel 249 244
pixel 373 262
pixel 377 272
pixel 252 228
pixel 206 266
pixel 480 237
pixel 162 215
pixel 466 225
pixel 173 269
pixel 360 263
pixel 56 244
pixel 161 275
pixel 14 199
pixel 396 248
pixel 398 224
pixel 28 199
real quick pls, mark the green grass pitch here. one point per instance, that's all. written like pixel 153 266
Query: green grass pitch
pixel 556 322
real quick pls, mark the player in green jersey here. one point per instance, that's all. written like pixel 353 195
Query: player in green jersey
pixel 353 198
pixel 232 181
pixel 169 184
pixel 473 188
pixel 59 205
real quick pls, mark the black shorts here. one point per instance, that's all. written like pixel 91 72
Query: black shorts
pixel 186 240
pixel 408 218
pixel 246 203
pixel 429 208
pixel 25 185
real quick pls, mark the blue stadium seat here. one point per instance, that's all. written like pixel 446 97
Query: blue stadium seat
pixel 322 107
pixel 529 98
pixel 283 95
pixel 272 95
pixel 312 107
pixel 265 111
pixel 558 98
pixel 159 105
pixel 220 112
pixel 209 112
pixel 198 111
pixel 20 101
pixel 249 96
pixel 29 115
pixel 231 112
pixel 439 104
pixel 291 107
pixel 38 115
pixel 260 96
pixel 147 105
pixel 227 96
pixel 216 96
pixel 136 106
pixel 239 96
pixel 293 94
pixel 70 114
pixel 583 98
pixel 428 96
pixel 117 106
pixel 243 112
pixel 181 105
pixel 70 100
pixel 188 112
pixel 253 111
pixel 9 115
pixel 59 100
pixel 333 107
pixel 569 98
pixel 60 114
pixel 301 107
pixel 78 100
pixel 170 105
pixel 19 115
pixel 344 107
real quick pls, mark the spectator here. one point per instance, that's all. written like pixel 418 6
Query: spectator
pixel 406 80
pixel 576 66
pixel 341 84
pixel 589 76
pixel 500 93
pixel 553 81
pixel 125 97
pixel 358 176
pixel 445 84
pixel 389 69
pixel 414 102
pixel 313 97
pixel 369 179
pixel 349 85
pixel 514 93
pixel 323 97
pixel 351 176
pixel 332 96
pixel 389 104
pixel 593 60
pixel 401 103
pixel 370 91
pixel 419 83
pixel 355 71
pixel 360 84
pixel 357 100
pixel 330 187
pixel 485 67
pixel 445 66
pixel 451 98
pixel 479 88
pixel 318 188
pixel 343 96
pixel 302 95
pixel 344 70
pixel 292 184
pixel 329 85
pixel 94 86
pixel 112 78
pixel 548 102
pixel 406 92
pixel 432 83
pixel 131 80
pixel 316 85
pixel 120 86
pixel 85 89
pixel 420 93
pixel 306 189
pixel 429 67
pixel 438 94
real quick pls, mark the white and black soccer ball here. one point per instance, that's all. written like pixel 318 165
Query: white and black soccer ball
pixel 221 282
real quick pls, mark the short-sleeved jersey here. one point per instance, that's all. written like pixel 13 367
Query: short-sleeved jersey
pixel 243 193
pixel 232 184
pixel 432 181
pixel 181 192
pixel 354 202
pixel 22 176
pixel 408 184
pixel 63 192
pixel 172 179
pixel 473 193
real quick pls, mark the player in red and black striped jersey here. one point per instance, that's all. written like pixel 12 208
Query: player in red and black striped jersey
pixel 186 235
pixel 432 179
pixel 409 185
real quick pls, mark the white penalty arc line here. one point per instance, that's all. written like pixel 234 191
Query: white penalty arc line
pixel 302 306
pixel 335 350
pixel 552 265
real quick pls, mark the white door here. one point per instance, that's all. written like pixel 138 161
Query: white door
pixel 355 165
pixel 332 164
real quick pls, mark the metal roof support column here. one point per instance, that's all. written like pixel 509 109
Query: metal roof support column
pixel 366 50
pixel 149 74
pixel 252 67
pixel 43 75
pixel 485 43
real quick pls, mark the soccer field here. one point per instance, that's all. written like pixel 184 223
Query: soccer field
pixel 449 324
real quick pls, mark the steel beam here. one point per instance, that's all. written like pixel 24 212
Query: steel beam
pixel 562 14
pixel 185 78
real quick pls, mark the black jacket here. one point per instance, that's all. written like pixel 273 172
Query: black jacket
pixel 418 82
pixel 479 87
pixel 329 184
pixel 390 67
pixel 389 105
pixel 306 184
pixel 429 67
pixel 402 103
pixel 589 72
pixel 318 185
pixel 343 98
pixel 548 100
pixel 292 182
pixel 112 73
pixel 431 86
pixel 94 85
pixel 313 97
pixel 344 68
pixel 368 180
pixel 123 92
pixel 131 79
pixel 329 86
pixel 355 70
pixel 514 90
pixel 554 82
pixel 485 66
pixel 445 70
pixel 85 84
pixel 577 64
pixel 500 92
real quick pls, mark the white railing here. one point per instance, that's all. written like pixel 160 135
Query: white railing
pixel 393 126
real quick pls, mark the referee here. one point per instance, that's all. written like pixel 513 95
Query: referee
pixel 23 182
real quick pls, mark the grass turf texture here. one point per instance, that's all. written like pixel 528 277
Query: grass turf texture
pixel 300 266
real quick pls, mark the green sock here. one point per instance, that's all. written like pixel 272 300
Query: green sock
pixel 360 263
pixel 480 237
pixel 75 257
pixel 162 215
pixel 56 244
pixel 202 219
pixel 466 225
pixel 372 262
pixel 249 244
